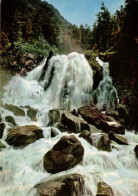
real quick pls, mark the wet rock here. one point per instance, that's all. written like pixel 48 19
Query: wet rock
pixel 53 133
pixel 93 116
pixel 65 154
pixel 118 129
pixel 93 129
pixel 67 185
pixel 136 151
pixel 101 141
pixel 112 113
pixel 15 109
pixel 104 189
pixel 109 118
pixel 104 143
pixel 118 138
pixel 63 128
pixel 22 136
pixel 10 120
pixel 87 136
pixel 55 116
pixel 31 113
pixel 2 127
pixel 74 124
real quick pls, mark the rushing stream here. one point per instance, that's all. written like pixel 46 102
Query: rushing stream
pixel 71 87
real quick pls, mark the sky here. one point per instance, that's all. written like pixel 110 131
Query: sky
pixel 83 11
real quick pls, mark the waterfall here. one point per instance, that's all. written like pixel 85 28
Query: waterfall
pixel 106 93
pixel 71 87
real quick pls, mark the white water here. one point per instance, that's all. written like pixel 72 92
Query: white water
pixel 106 93
pixel 23 168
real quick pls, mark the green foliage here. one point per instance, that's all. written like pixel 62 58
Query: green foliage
pixel 102 29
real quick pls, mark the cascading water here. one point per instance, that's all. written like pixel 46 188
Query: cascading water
pixel 72 82
pixel 106 93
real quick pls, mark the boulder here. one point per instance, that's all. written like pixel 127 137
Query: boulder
pixel 93 129
pixel 55 116
pixel 117 128
pixel 53 133
pixel 104 143
pixel 104 189
pixel 74 123
pixel 67 185
pixel 10 120
pixel 65 154
pixel 15 109
pixel 112 113
pixel 93 116
pixel 136 151
pixel 22 136
pixel 101 141
pixel 87 136
pixel 2 127
pixel 66 121
pixel 109 118
pixel 118 138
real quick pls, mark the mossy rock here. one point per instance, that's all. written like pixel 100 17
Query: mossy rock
pixel 31 113
pixel 22 136
pixel 15 109
pixel 10 120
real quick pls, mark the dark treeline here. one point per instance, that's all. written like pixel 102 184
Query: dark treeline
pixel 37 27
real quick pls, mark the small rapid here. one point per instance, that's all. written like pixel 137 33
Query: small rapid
pixel 71 87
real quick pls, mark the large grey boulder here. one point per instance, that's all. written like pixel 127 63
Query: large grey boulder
pixel 65 154
pixel 93 116
pixel 104 189
pixel 67 185
pixel 22 136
